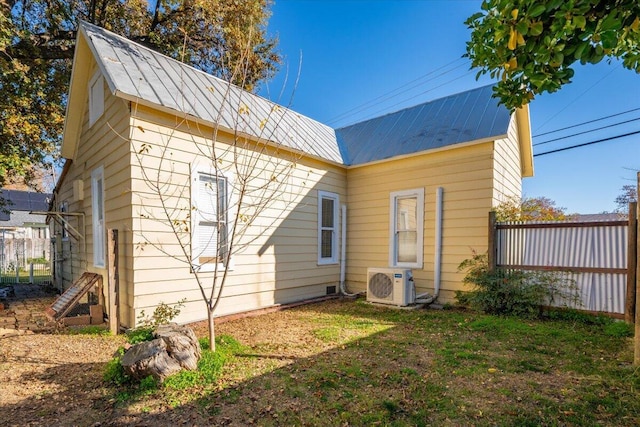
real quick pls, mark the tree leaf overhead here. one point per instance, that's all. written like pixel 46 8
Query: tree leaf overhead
pixel 225 38
pixel 531 46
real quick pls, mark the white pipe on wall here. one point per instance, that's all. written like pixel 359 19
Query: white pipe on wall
pixel 343 247
pixel 437 259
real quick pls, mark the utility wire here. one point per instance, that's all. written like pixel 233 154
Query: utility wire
pixel 389 107
pixel 587 143
pixel 586 131
pixel 578 97
pixel 587 122
pixel 394 93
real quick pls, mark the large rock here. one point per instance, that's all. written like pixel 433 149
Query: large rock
pixel 182 344
pixel 174 348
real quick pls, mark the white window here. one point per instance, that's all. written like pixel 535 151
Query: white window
pixel 97 203
pixel 96 98
pixel 64 207
pixel 210 221
pixel 406 228
pixel 327 227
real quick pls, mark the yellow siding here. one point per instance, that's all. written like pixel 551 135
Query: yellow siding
pixel 103 144
pixel 506 167
pixel 466 176
pixel 277 261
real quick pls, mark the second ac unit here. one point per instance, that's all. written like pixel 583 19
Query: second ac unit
pixel 390 286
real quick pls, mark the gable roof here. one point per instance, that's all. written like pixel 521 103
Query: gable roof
pixel 138 74
pixel 468 116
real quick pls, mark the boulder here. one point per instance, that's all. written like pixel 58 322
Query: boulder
pixel 174 348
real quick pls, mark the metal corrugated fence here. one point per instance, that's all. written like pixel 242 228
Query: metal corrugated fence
pixel 591 254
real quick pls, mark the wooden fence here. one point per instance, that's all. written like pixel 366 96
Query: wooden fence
pixel 598 256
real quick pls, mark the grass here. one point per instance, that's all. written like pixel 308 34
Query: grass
pixel 361 365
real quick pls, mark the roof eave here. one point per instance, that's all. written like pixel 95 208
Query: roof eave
pixel 524 138
pixel 192 118
pixel 430 151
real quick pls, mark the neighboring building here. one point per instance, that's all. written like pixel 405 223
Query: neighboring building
pixel 137 119
pixel 24 235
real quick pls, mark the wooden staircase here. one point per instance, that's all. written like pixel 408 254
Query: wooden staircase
pixel 65 302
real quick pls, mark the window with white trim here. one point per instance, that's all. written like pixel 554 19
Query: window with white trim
pixel 96 98
pixel 406 228
pixel 97 204
pixel 327 227
pixel 209 243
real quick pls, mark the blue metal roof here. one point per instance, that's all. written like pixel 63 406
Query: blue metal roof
pixel 468 116
pixel 137 73
pixel 22 201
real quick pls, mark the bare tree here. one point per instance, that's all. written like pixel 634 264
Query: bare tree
pixel 206 188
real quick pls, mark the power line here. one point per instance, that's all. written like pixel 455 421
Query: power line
pixel 587 122
pixel 587 143
pixel 586 131
pixel 394 93
pixel 578 97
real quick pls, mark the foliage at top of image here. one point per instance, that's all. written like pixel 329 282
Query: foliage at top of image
pixel 531 46
pixel 37 43
pixel 512 292
pixel 530 209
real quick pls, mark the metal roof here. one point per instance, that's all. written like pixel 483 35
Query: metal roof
pixel 468 116
pixel 138 73
pixel 22 201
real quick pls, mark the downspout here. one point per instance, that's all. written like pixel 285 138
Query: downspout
pixel 437 257
pixel 343 253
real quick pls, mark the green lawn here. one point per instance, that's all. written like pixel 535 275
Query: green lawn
pixel 351 363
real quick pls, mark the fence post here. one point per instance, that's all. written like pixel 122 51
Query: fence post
pixel 492 250
pixel 632 254
pixel 31 273
pixel 17 272
pixel 636 339
pixel 113 280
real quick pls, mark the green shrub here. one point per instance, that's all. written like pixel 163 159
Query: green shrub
pixel 162 314
pixel 114 372
pixel 138 335
pixel 511 292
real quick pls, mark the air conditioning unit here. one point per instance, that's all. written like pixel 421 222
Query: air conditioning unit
pixel 390 286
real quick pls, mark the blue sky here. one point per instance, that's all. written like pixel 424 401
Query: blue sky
pixel 357 59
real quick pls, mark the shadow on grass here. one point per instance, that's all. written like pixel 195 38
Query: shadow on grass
pixel 397 368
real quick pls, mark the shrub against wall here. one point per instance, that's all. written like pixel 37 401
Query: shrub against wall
pixel 513 292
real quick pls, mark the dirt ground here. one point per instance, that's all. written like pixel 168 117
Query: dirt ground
pixel 55 379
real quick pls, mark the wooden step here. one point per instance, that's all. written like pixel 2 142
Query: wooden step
pixel 71 296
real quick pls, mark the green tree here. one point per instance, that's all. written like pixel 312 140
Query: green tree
pixel 37 39
pixel 529 209
pixel 531 45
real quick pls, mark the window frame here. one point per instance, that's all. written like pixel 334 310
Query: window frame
pixel 97 211
pixel 207 267
pixel 418 194
pixel 333 259
pixel 96 98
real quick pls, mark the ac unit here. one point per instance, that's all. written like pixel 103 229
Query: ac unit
pixel 390 286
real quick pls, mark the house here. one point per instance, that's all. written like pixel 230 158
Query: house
pixel 24 234
pixel 141 129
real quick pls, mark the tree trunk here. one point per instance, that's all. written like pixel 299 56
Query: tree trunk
pixel 212 331
pixel 175 348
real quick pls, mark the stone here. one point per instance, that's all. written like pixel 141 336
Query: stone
pixel 174 348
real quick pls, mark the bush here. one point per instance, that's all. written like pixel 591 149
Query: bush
pixel 162 314
pixel 511 292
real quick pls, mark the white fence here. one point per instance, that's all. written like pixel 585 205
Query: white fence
pixel 592 254
pixel 25 260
